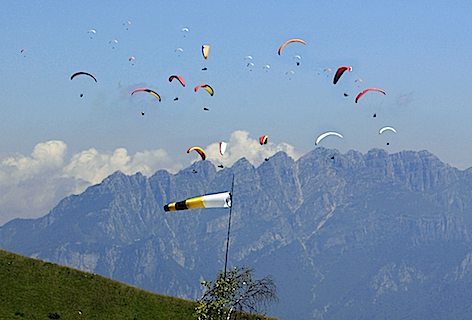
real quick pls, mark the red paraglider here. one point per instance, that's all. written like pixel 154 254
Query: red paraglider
pixel 263 139
pixel 179 78
pixel 340 72
pixel 363 92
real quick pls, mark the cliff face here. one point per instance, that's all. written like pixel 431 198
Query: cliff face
pixel 344 235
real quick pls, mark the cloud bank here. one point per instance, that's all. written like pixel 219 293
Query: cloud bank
pixel 241 145
pixel 33 184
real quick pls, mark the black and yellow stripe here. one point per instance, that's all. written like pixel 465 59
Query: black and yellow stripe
pixel 218 200
pixel 192 203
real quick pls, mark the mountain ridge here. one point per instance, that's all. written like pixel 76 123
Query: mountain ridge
pixel 326 225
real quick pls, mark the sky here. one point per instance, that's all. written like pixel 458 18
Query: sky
pixel 54 142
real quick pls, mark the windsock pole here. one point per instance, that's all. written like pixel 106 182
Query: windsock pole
pixel 229 226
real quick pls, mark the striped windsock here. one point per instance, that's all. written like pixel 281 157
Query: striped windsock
pixel 215 200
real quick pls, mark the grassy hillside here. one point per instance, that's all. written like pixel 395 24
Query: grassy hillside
pixel 33 289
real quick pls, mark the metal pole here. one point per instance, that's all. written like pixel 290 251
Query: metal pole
pixel 229 226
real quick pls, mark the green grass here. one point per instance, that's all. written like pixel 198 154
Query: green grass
pixel 34 289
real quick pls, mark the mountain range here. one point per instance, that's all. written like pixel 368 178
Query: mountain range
pixel 344 235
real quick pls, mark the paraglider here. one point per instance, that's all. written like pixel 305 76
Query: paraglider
pixel 179 78
pixel 222 147
pixel 185 30
pixel 326 72
pixel 297 59
pixel 326 134
pixel 283 45
pixel 198 150
pixel 340 72
pixel 266 67
pixel 206 87
pixel 131 59
pixel 215 200
pixel 91 33
pixel 83 73
pixel 178 51
pixel 154 93
pixel 263 139
pixel 382 130
pixel 206 51
pixel 127 24
pixel 289 74
pixel 113 43
pixel 363 92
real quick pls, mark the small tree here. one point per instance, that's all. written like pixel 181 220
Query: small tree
pixel 238 291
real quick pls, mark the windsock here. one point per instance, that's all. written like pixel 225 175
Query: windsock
pixel 215 200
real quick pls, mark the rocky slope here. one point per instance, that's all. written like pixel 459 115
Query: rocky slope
pixel 360 236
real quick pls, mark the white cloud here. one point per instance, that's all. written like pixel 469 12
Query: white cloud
pixel 241 145
pixel 32 185
pixel 92 166
pixel 45 156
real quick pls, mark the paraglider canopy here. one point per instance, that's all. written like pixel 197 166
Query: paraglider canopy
pixel 326 134
pixel 263 139
pixel 198 150
pixel 283 45
pixel 154 93
pixel 340 72
pixel 363 92
pixel 382 130
pixel 222 147
pixel 206 87
pixel 83 73
pixel 206 51
pixel 179 78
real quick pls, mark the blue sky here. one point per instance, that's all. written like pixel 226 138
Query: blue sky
pixel 418 51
